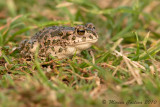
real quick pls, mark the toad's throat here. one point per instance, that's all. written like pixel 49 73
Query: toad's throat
pixel 83 46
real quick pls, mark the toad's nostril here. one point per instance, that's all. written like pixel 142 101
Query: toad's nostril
pixel 90 37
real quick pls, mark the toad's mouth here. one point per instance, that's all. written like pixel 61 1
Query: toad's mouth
pixel 86 42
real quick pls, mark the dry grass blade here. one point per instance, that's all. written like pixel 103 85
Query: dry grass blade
pixel 93 58
pixel 129 82
pixel 96 92
pixel 133 67
pixel 134 63
pixel 64 4
pixel 81 77
pixel 9 21
pixel 134 72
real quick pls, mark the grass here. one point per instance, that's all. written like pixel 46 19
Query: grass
pixel 122 67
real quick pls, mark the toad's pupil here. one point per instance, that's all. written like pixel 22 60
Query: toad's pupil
pixel 80 32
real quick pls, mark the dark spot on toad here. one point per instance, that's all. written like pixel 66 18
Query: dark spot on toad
pixel 60 33
pixel 56 33
pixel 73 38
pixel 66 36
pixel 60 50
pixel 94 34
pixel 52 48
pixel 48 42
pixel 45 37
pixel 41 36
pixel 42 50
pixel 89 31
pixel 47 47
pixel 32 45
pixel 27 47
pixel 40 46
pixel 54 41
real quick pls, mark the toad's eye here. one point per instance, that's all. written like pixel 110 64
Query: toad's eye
pixel 80 31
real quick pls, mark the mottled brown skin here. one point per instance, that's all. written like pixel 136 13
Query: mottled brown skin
pixel 59 41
